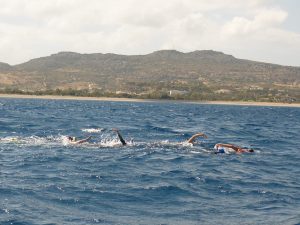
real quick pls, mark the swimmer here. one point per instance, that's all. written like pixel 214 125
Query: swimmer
pixel 119 136
pixel 230 148
pixel 74 141
pixel 192 139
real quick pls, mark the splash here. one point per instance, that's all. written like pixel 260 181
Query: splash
pixel 32 140
pixel 104 140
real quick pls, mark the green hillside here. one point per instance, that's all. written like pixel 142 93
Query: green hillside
pixel 198 75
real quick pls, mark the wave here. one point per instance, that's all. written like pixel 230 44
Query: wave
pixel 31 140
pixel 161 129
pixel 168 190
pixel 92 130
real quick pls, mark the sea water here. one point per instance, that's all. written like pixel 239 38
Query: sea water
pixel 157 178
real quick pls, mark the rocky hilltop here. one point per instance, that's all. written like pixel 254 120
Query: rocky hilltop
pixel 205 75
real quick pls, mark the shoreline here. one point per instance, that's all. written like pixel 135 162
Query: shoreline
pixel 58 97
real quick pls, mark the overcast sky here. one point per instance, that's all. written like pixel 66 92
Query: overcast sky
pixel 262 30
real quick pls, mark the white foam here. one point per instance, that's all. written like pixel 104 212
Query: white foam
pixel 32 140
pixel 195 152
pixel 65 141
pixel 186 144
pixel 92 130
pixel 11 139
pixel 103 141
pixel 113 142
pixel 110 143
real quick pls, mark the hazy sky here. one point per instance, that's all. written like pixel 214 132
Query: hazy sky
pixel 262 30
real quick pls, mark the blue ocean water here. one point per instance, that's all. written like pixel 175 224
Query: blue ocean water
pixel 157 178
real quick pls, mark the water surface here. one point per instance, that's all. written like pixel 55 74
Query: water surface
pixel 157 178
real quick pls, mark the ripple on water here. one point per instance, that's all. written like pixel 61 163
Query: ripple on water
pixel 156 178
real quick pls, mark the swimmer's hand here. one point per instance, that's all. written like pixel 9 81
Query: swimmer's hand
pixel 201 135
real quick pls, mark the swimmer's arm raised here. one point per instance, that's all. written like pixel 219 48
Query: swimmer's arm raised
pixel 192 139
pixel 119 136
pixel 83 140
pixel 227 146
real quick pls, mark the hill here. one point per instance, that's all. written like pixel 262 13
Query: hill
pixel 204 75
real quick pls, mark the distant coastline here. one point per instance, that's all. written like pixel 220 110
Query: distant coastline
pixel 57 97
pixel 201 75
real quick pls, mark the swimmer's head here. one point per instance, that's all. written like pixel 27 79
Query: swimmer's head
pixel 221 150
pixel 248 149
pixel 71 138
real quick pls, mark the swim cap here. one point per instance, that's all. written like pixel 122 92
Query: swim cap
pixel 221 150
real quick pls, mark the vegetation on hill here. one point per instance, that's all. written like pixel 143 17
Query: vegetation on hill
pixel 167 74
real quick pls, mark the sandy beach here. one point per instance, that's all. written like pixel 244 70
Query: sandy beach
pixel 56 97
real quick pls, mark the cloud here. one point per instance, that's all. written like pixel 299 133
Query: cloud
pixel 34 28
pixel 264 19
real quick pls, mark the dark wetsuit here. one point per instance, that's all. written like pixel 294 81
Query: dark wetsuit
pixel 121 138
